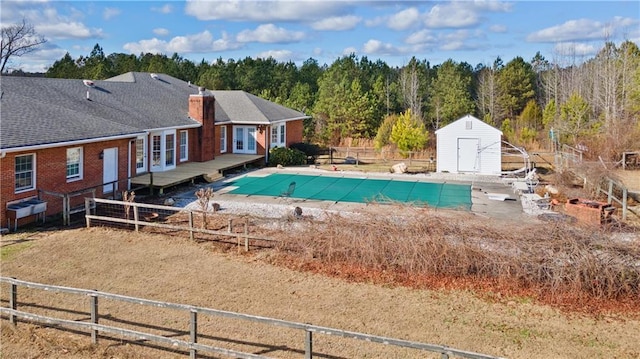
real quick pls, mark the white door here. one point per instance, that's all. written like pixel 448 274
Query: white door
pixel 110 169
pixel 244 139
pixel 468 155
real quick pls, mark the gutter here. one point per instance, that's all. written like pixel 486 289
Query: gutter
pixel 4 152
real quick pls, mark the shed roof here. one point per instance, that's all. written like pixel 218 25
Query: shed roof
pixel 460 123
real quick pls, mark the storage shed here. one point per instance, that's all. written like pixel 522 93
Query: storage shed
pixel 469 145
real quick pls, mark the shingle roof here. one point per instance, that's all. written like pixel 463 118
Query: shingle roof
pixel 243 107
pixel 36 111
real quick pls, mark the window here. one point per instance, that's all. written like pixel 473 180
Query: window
pixel 282 127
pixel 163 150
pixel 184 145
pixel 277 135
pixel 25 172
pixel 140 155
pixel 223 139
pixel 156 143
pixel 74 164
pixel 169 160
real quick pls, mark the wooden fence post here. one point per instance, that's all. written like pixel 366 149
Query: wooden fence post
pixel 191 225
pixel 193 331
pixel 94 318
pixel 230 225
pixel 136 218
pixel 624 204
pixel 13 302
pixel 87 211
pixel 308 344
pixel 246 235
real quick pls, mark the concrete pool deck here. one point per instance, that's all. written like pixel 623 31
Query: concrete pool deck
pixel 487 193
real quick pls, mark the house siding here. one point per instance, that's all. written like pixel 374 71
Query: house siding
pixel 51 167
pixel 489 143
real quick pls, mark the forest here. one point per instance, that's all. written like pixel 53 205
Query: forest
pixel 591 103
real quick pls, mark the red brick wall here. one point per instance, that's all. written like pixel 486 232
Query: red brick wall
pixel 294 131
pixel 202 109
pixel 262 138
pixel 51 174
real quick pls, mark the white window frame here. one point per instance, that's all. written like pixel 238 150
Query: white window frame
pixel 71 161
pixel 33 174
pixel 223 139
pixel 278 135
pixel 184 147
pixel 141 152
pixel 159 154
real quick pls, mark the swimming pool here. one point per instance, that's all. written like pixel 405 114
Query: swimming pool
pixel 351 189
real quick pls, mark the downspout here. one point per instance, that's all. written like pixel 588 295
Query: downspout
pixel 266 144
pixel 129 167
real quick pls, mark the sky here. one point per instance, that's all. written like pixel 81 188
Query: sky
pixel 476 32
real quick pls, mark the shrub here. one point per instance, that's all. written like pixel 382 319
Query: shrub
pixel 286 157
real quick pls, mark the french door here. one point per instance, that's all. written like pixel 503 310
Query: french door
pixel 244 139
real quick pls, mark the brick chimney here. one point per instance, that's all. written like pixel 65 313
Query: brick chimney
pixel 202 109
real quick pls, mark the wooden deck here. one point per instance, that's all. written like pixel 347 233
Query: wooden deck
pixel 210 171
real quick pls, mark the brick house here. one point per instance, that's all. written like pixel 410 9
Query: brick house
pixel 64 135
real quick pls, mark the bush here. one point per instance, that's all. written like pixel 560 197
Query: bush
pixel 286 157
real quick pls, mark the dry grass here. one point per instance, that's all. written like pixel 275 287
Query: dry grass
pixel 555 260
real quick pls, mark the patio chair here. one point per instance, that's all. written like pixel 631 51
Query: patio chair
pixel 289 191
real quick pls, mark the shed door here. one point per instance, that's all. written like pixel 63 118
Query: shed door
pixel 468 155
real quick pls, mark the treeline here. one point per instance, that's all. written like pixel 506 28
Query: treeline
pixel 595 102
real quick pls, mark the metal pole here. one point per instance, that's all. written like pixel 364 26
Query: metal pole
pixel 13 302
pixel 308 345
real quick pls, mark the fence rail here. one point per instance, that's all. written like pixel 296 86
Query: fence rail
pixel 192 344
pixel 122 215
pixel 610 191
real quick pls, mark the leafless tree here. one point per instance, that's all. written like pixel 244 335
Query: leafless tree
pixel 410 85
pixel 17 40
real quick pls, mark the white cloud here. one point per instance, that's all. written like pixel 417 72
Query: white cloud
pixel 582 29
pixel 39 60
pixel 404 19
pixel 110 12
pixel 574 49
pixel 336 23
pixel 197 43
pixel 452 15
pixel 279 55
pixel 269 33
pixel 349 50
pixel 165 9
pixel 265 11
pixel 377 47
pixel 498 28
pixel 160 31
pixel 376 21
pixel 421 37
pixel 67 30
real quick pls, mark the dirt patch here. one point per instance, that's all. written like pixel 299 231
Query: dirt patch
pixel 174 269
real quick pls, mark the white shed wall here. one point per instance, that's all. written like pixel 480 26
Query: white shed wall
pixel 488 157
